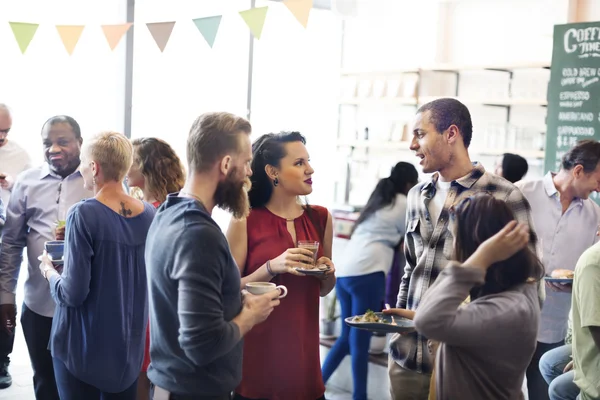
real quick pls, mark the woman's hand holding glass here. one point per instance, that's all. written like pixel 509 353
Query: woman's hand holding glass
pixel 289 260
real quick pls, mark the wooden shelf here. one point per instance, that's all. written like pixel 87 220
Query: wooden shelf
pixel 507 102
pixel 538 154
pixel 374 144
pixel 395 146
pixel 448 68
pixel 379 100
pixel 426 99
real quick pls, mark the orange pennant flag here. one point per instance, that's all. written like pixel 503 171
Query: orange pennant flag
pixel 114 33
pixel 70 35
pixel 161 32
pixel 300 9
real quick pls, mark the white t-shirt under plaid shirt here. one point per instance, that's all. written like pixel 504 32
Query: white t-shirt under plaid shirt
pixel 429 247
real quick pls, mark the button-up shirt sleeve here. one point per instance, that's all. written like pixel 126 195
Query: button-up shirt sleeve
pixel 409 248
pixel 522 210
pixel 72 288
pixel 14 240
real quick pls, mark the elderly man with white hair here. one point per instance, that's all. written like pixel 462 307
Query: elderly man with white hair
pixel 13 160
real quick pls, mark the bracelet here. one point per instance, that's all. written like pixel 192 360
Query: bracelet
pixel 269 270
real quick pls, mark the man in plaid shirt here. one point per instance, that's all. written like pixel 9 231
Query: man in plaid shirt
pixel 441 136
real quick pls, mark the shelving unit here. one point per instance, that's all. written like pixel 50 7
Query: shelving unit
pixel 379 99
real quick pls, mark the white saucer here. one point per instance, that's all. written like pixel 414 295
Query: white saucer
pixel 57 262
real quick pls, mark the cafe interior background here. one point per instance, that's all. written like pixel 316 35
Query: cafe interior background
pixel 348 74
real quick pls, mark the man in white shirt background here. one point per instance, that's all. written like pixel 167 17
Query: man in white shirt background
pixel 566 222
pixel 13 160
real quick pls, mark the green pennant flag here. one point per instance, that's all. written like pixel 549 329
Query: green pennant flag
pixel 24 33
pixel 255 19
pixel 208 27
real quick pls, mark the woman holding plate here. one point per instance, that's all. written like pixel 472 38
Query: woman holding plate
pixel 281 355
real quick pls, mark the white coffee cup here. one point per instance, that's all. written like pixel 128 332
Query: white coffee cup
pixel 259 288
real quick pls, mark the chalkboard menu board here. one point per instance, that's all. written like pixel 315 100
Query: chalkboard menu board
pixel 574 90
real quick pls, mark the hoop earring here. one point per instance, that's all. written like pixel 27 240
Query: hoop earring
pixel 276 182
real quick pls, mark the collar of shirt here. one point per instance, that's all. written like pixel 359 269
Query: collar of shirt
pixel 467 181
pixel 45 171
pixel 551 190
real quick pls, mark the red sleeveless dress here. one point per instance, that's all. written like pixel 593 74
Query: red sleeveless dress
pixel 281 356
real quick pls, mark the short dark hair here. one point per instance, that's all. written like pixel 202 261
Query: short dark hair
pixel 514 167
pixel 585 153
pixel 212 136
pixel 64 119
pixel 446 112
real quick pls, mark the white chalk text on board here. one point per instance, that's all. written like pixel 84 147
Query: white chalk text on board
pixel 574 91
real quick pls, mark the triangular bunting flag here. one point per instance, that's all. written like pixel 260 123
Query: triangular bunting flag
pixel 161 32
pixel 300 9
pixel 255 19
pixel 70 35
pixel 208 27
pixel 114 33
pixel 24 33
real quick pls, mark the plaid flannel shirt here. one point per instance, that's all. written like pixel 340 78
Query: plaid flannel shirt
pixel 429 247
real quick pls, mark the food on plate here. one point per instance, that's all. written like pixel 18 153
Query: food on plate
pixel 371 317
pixel 321 267
pixel 562 274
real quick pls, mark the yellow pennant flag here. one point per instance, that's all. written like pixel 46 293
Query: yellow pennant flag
pixel 114 33
pixel 70 35
pixel 255 19
pixel 300 9
pixel 24 33
pixel 161 32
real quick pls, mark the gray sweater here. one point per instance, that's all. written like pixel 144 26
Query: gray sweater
pixel 487 344
pixel 194 284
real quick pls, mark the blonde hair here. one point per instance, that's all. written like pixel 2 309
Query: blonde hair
pixel 113 152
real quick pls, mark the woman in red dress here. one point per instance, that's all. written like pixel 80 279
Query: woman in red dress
pixel 281 355
pixel 156 171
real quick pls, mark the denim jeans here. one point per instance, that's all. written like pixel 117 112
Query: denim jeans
pixel 552 364
pixel 356 294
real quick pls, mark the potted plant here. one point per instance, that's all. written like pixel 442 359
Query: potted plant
pixel 331 316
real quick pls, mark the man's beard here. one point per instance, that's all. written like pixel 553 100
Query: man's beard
pixel 232 194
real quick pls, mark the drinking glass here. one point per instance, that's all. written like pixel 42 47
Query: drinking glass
pixel 310 245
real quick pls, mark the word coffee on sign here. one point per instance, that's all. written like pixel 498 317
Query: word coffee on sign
pixel 584 41
pixel 574 88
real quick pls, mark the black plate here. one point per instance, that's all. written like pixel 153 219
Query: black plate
pixel 403 325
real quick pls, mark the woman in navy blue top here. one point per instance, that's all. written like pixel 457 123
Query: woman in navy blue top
pixel 97 339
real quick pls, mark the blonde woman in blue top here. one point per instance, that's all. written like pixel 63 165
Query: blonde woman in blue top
pixel 99 325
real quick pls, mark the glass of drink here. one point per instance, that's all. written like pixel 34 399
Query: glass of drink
pixel 310 245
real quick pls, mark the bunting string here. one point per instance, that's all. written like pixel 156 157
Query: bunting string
pixel 24 32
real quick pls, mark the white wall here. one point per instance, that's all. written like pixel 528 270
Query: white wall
pixel 46 81
pixel 296 75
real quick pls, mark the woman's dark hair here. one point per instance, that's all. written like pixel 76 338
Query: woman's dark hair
pixel 401 179
pixel 477 219
pixel 159 164
pixel 514 167
pixel 269 149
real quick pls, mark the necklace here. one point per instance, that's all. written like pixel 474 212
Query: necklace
pixel 192 195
